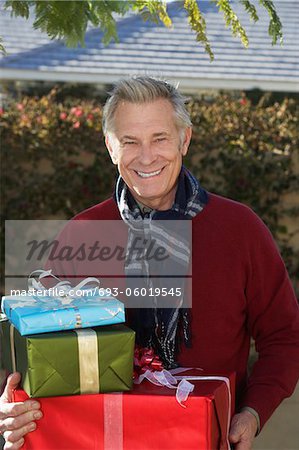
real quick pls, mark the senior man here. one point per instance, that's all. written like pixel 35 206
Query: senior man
pixel 240 285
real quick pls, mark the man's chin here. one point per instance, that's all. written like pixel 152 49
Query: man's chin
pixel 144 198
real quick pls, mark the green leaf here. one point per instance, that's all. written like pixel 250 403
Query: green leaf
pixel 198 24
pixel 18 8
pixel 251 9
pixel 2 48
pixel 232 21
pixel 155 10
pixel 62 19
pixel 275 25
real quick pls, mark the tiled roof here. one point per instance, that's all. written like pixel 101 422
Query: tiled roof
pixel 147 48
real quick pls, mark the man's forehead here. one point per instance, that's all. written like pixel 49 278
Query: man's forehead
pixel 158 113
pixel 158 103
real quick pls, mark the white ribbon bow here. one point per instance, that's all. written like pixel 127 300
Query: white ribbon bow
pixel 68 292
pixel 167 378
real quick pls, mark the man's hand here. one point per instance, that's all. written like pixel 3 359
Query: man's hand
pixel 242 430
pixel 16 419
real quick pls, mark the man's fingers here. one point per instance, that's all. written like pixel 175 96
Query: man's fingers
pixel 16 435
pixel 236 436
pixel 14 445
pixel 236 430
pixel 17 427
pixel 242 431
pixel 15 423
pixel 16 418
pixel 12 383
pixel 17 408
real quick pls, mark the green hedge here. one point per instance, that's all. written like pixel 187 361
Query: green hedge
pixel 55 162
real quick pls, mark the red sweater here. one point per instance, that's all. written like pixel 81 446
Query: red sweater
pixel 240 289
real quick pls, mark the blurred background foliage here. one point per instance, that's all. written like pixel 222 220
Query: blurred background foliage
pixel 54 161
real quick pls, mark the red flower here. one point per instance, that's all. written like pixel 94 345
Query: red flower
pixel 243 101
pixel 90 116
pixel 1 111
pixel 20 107
pixel 76 124
pixel 63 115
pixel 78 112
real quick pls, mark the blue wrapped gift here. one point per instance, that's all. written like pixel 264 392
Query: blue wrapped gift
pixel 62 307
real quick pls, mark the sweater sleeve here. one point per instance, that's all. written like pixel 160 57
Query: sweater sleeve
pixel 273 321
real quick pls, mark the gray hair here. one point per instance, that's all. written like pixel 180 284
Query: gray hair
pixel 144 89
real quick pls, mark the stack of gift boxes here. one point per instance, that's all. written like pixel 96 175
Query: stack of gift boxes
pixel 76 357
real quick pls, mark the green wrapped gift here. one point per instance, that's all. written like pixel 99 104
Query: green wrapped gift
pixel 73 362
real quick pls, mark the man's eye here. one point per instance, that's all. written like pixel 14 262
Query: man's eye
pixel 129 142
pixel 161 139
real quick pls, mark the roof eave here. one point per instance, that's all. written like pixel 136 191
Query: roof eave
pixel 185 83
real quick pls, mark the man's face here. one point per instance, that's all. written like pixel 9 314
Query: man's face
pixel 148 151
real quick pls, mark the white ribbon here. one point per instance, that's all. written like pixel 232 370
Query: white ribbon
pixel 167 378
pixel 159 378
pixel 183 391
pixel 69 292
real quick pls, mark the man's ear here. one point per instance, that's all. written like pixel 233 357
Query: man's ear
pixel 111 149
pixel 186 141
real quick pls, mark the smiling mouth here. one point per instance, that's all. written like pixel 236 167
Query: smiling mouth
pixel 148 174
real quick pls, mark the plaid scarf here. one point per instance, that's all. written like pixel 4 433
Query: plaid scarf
pixel 157 327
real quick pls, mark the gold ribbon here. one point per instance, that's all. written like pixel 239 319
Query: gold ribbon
pixel 88 361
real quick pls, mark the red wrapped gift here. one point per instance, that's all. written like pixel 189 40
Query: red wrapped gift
pixel 149 417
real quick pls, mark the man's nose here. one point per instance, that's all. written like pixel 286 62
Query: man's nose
pixel 147 154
